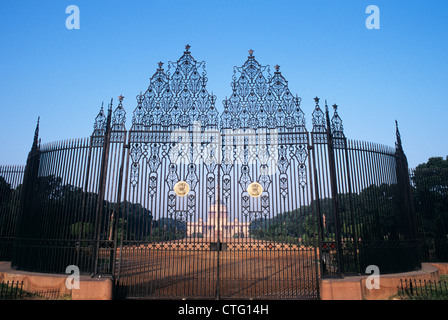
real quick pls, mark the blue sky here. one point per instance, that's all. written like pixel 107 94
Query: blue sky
pixel 323 47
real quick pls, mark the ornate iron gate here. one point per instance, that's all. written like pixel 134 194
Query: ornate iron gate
pixel 191 203
pixel 213 188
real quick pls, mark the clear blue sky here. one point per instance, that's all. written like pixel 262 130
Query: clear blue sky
pixel 323 47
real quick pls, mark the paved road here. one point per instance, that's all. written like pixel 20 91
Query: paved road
pixel 190 273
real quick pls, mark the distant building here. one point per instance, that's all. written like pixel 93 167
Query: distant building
pixel 213 226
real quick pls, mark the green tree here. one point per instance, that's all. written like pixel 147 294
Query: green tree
pixel 167 229
pixel 81 229
pixel 430 193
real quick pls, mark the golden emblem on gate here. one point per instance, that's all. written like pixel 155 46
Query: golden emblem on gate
pixel 255 189
pixel 181 188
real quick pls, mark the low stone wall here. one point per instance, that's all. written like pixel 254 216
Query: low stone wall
pixel 89 289
pixel 349 288
pixel 443 267
pixel 354 288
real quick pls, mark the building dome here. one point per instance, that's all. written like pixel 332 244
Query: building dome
pixel 213 212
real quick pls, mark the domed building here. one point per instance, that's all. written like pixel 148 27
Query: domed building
pixel 218 224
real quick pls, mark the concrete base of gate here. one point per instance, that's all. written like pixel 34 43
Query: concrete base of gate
pixel 89 289
pixel 354 288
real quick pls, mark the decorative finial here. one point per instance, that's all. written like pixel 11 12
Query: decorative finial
pixel 120 98
pixel 187 47
pixel 317 100
pixel 140 99
pixel 160 64
pixel 398 143
pixel 336 123
pixel 36 136
pixel 37 126
pixel 251 52
pixel 277 67
pixel 397 131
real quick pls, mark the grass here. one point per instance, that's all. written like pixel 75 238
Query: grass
pixel 35 296
pixel 425 292
pixel 12 293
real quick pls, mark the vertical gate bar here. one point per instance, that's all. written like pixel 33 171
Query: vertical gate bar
pixel 334 194
pixel 316 204
pixel 350 155
pixel 354 151
pixel 373 196
pixel 318 228
pixel 218 176
pixel 118 204
pixel 161 215
pixel 84 185
pixel 46 254
pixel 363 185
pixel 48 162
pixel 357 154
pixel 361 161
pixel 73 202
pixel 96 167
pixel 84 213
pixel 66 176
pixel 45 166
pixel 350 195
pixel 101 191
pixel 63 172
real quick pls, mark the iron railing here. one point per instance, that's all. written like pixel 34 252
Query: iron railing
pixel 11 178
pixel 11 290
pixel 418 289
pixel 48 294
pixel 62 221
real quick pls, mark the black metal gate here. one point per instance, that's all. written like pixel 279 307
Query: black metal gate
pixel 193 203
pixel 221 193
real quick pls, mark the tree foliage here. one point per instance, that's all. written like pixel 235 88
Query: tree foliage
pixel 63 211
pixel 430 193
pixel 371 215
pixel 9 205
